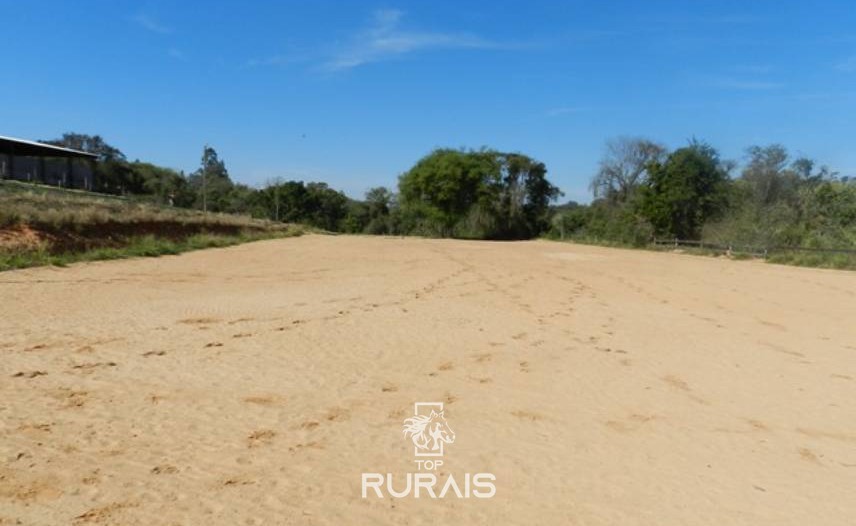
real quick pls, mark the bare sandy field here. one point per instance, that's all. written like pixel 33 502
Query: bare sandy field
pixel 255 384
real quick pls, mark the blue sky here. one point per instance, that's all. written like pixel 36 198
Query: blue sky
pixel 353 93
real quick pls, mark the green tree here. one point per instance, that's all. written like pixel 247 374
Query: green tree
pixel 325 207
pixel 295 202
pixel 525 197
pixel 211 182
pixel 478 194
pixel 685 191
pixel 164 184
pixel 379 202
pixel 442 187
pixel 241 199
pixel 90 144
pixel 356 218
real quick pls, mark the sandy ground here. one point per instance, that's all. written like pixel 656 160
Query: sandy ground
pixel 254 385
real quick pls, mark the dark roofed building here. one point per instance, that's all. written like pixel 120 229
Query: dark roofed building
pixel 37 162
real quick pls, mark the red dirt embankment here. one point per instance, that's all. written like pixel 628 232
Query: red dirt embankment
pixel 105 234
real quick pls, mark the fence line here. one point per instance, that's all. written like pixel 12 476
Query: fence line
pixel 747 249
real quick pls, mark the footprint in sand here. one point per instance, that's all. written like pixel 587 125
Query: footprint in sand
pixel 260 400
pixel 633 423
pixel 676 382
pixel 262 437
pixel 46 428
pixel 71 399
pixel 102 514
pixel 756 424
pixel 484 357
pixel 808 455
pixel 528 415
pixel 165 469
pixel 198 321
pixel 337 414
pixel 610 350
pixel 93 478
pixel 681 385
pixel 772 324
pixel 307 445
pixel 238 480
pixel 88 368
pixel 29 374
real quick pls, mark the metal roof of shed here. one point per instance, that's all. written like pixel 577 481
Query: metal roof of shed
pixel 11 145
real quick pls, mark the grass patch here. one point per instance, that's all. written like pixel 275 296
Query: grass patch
pixel 41 225
pixel 833 260
pixel 70 210
pixel 594 241
pixel 142 246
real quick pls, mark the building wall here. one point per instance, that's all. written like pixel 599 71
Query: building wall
pixel 54 171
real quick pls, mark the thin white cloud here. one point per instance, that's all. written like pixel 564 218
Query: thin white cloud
pixel 150 23
pixel 385 39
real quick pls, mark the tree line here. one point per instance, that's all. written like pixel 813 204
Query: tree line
pixel 210 187
pixel 641 191
pixel 484 194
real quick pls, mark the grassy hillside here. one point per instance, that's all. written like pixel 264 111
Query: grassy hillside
pixel 42 225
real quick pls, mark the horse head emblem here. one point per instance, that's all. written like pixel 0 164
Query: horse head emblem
pixel 429 432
